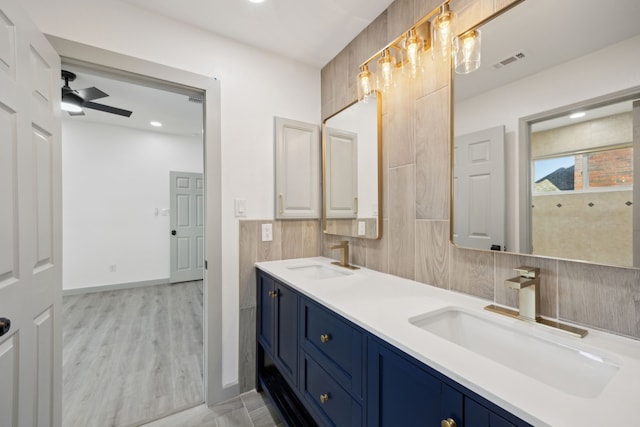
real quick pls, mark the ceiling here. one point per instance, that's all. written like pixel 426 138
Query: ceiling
pixel 310 31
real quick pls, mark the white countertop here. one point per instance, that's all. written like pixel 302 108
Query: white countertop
pixel 382 304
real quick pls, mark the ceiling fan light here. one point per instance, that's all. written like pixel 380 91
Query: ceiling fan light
pixel 71 108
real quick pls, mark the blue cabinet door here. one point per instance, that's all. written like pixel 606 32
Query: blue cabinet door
pixel 266 310
pixel 286 324
pixel 401 393
pixel 476 415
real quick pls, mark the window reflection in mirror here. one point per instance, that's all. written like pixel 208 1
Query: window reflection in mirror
pixel 528 81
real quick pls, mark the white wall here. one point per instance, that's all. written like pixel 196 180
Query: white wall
pixel 114 178
pixel 612 69
pixel 255 87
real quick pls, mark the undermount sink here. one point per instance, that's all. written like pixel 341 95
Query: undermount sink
pixel 319 271
pixel 565 367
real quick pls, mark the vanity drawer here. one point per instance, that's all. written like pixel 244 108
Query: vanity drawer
pixel 332 405
pixel 336 344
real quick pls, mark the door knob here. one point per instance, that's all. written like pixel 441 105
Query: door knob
pixel 5 325
pixel 449 422
pixel 173 232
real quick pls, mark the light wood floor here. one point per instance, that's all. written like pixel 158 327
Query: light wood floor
pixel 131 355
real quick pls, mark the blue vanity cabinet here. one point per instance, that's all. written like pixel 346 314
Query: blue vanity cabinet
pixel 278 325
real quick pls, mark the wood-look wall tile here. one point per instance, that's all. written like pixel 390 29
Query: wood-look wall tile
pixel 422 7
pixel 498 5
pixel 472 272
pixel 377 254
pixel 471 12
pixel 402 221
pixel 358 252
pixel 292 244
pixel 248 248
pixel 432 252
pixel 397 130
pixel 432 155
pixel 437 74
pixel 599 296
pixel 247 350
pixel 400 17
pixel 505 263
pixel 311 238
pixel 270 251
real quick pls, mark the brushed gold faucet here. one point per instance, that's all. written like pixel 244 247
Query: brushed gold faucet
pixel 528 286
pixel 344 245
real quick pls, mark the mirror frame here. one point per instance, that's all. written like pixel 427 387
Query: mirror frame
pixel 378 165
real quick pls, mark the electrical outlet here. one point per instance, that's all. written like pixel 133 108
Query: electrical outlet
pixel 362 228
pixel 267 232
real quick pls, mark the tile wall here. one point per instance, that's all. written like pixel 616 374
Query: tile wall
pixel 416 194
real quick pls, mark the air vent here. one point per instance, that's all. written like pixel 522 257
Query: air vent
pixel 196 99
pixel 510 60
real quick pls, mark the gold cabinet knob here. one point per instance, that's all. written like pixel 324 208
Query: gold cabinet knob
pixel 324 338
pixel 449 422
pixel 325 397
pixel 273 294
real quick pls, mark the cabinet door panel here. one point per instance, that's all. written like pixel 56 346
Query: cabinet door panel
pixel 287 332
pixel 266 304
pixel 401 393
pixel 476 415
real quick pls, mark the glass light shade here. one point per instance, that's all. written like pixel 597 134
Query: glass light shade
pixel 413 48
pixel 386 68
pixel 466 50
pixel 365 83
pixel 443 31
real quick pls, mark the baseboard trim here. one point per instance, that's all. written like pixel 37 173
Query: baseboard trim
pixel 114 287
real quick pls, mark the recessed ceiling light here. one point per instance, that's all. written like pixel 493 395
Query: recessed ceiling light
pixel 155 124
pixel 577 115
pixel 256 1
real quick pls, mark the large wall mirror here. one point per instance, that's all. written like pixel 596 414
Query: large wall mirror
pixel 351 148
pixel 543 146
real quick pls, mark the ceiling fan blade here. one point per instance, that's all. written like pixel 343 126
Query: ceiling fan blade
pixel 107 109
pixel 91 93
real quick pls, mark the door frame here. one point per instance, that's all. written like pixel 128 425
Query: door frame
pixel 214 390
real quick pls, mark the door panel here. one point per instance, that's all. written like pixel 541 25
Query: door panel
pixel 30 224
pixel 187 225
pixel 479 189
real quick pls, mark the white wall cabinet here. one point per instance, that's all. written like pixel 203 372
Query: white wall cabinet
pixel 297 169
pixel 341 173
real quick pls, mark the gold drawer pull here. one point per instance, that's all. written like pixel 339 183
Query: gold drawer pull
pixel 325 397
pixel 448 423
pixel 273 294
pixel 324 338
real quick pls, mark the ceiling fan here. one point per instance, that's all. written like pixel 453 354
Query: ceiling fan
pixel 73 101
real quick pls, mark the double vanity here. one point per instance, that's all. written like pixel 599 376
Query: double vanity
pixel 347 347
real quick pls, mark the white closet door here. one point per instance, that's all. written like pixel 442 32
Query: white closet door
pixel 30 225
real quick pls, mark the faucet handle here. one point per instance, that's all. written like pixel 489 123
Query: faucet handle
pixel 528 272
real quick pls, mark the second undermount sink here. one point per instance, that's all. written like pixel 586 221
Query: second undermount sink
pixel 319 271
pixel 571 369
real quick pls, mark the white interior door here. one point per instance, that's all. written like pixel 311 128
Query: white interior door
pixel 187 226
pixel 479 189
pixel 30 224
pixel 341 175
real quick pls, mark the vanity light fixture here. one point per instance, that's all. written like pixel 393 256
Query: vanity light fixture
pixel 443 28
pixel 413 47
pixel 407 51
pixel 386 68
pixel 466 52
pixel 365 83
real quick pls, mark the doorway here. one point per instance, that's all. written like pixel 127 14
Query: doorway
pixel 145 354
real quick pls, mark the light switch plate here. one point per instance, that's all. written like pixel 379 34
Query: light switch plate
pixel 240 207
pixel 267 232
